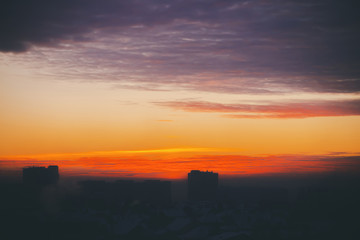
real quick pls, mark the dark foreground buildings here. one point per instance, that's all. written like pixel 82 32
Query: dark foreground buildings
pixel 202 186
pixel 149 191
pixel 40 176
pixel 246 209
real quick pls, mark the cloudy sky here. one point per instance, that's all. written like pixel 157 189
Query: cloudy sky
pixel 180 79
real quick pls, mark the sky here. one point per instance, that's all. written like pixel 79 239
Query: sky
pixel 158 88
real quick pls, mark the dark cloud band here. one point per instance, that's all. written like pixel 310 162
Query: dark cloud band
pixel 307 45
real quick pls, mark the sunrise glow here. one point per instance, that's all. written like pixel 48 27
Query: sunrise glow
pixel 211 86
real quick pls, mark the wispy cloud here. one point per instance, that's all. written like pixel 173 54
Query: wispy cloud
pixel 115 153
pixel 272 110
pixel 221 46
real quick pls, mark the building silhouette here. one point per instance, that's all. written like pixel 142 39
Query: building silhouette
pixel 155 191
pixel 148 191
pixel 202 186
pixel 40 176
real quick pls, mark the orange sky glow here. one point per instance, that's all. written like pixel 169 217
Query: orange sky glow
pixel 168 164
pixel 156 90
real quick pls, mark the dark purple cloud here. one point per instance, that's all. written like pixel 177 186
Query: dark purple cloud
pixel 303 45
pixel 272 110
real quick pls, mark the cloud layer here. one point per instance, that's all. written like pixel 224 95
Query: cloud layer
pixel 272 110
pixel 225 46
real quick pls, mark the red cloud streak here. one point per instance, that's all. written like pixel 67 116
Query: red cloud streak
pixel 177 168
pixel 278 110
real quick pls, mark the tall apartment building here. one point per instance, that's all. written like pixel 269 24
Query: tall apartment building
pixel 40 176
pixel 202 186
